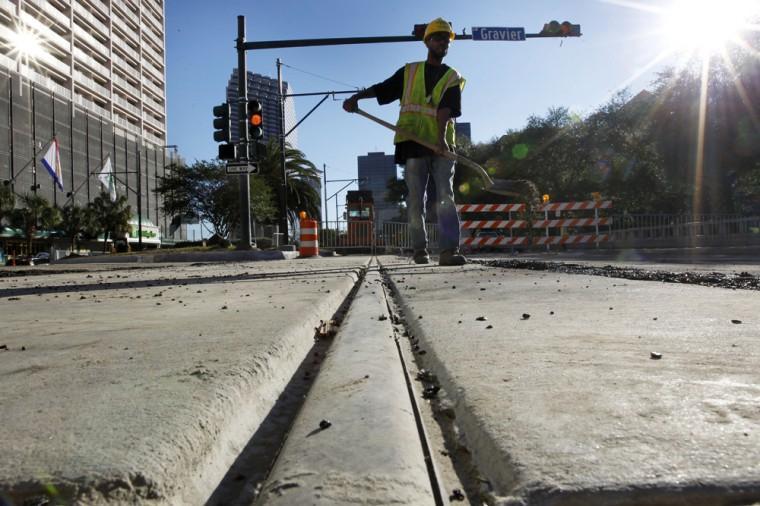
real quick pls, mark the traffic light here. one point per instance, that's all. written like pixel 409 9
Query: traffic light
pixel 255 120
pixel 222 122
pixel 419 31
pixel 565 29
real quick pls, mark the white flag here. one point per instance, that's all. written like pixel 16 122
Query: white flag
pixel 107 179
pixel 52 162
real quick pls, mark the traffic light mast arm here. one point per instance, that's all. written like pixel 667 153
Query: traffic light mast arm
pixel 273 44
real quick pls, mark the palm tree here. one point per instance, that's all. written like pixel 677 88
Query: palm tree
pixel 75 222
pixel 110 217
pixel 7 202
pixel 36 213
pixel 303 179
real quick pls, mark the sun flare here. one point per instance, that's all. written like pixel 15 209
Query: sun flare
pixel 707 26
pixel 26 44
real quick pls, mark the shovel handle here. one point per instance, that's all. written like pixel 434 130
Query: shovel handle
pixel 451 156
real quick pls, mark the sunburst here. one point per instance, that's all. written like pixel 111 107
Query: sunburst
pixel 25 45
pixel 701 30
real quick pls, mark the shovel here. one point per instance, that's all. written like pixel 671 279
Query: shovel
pixel 508 187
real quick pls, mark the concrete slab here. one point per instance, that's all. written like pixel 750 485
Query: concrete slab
pixel 560 400
pixel 371 452
pixel 142 385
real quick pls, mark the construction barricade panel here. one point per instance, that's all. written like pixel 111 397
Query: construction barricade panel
pixel 509 225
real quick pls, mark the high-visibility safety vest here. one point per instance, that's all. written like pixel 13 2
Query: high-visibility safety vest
pixel 418 110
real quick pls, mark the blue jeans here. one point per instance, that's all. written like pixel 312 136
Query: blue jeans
pixel 416 175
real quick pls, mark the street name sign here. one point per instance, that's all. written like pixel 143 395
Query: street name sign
pixel 242 168
pixel 502 33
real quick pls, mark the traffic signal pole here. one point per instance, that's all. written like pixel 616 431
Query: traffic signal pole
pixel 284 183
pixel 244 242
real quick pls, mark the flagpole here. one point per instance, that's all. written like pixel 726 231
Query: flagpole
pixel 34 138
pixel 26 166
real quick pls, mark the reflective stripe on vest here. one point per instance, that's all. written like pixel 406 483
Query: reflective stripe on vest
pixel 418 113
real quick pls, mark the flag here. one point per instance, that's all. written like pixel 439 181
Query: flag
pixel 52 162
pixel 107 179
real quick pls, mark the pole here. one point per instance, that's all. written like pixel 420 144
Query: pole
pixel 283 187
pixel 55 187
pixel 34 139
pixel 324 175
pixel 12 143
pixel 139 199
pixel 245 198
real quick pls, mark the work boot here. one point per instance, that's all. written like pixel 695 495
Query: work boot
pixel 421 257
pixel 451 257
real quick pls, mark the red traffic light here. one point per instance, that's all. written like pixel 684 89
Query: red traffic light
pixel 255 117
pixel 556 29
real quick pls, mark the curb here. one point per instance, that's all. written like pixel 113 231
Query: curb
pixel 231 256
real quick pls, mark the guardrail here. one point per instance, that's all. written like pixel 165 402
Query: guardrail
pixel 348 236
pixel 395 236
pixel 654 228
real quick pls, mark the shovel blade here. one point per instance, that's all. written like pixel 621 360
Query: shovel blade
pixel 521 188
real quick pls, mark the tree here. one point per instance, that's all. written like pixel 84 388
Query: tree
pixel 111 218
pixel 397 191
pixel 7 202
pixel 715 150
pixel 36 213
pixel 303 179
pixel 205 190
pixel 75 222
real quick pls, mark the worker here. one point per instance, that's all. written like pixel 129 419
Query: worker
pixel 430 95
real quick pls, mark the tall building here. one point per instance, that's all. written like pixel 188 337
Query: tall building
pixel 91 74
pixel 375 170
pixel 266 91
pixel 462 130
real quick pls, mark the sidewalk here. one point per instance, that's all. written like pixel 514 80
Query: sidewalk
pixel 144 384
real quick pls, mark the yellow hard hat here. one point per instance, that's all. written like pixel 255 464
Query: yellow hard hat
pixel 438 25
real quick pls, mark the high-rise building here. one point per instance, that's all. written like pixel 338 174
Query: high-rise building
pixel 462 130
pixel 266 91
pixel 91 74
pixel 375 170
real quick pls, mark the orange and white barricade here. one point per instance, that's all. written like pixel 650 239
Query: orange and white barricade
pixel 515 231
pixel 309 243
pixel 505 235
pixel 562 238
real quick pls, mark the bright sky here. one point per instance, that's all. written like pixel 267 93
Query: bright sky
pixel 622 46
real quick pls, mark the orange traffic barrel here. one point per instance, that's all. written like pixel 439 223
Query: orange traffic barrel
pixel 309 245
